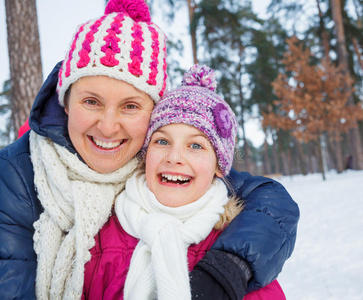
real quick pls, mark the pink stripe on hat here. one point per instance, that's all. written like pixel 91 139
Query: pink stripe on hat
pixel 86 45
pixel 73 46
pixel 137 48
pixel 154 56
pixel 162 91
pixel 122 44
pixel 110 48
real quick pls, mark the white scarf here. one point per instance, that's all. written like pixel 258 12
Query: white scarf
pixel 159 268
pixel 77 202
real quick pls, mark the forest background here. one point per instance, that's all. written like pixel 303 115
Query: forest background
pixel 295 68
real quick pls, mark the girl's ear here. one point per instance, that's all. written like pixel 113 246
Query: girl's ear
pixel 219 173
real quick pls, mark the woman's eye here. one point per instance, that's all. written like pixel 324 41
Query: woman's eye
pixel 195 146
pixel 162 142
pixel 131 106
pixel 91 102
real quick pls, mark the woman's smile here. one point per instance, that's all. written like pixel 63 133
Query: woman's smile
pixel 107 121
pixel 106 145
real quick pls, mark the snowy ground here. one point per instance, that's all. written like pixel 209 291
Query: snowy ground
pixel 327 262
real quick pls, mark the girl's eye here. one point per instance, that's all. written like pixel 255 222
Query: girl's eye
pixel 195 146
pixel 91 102
pixel 162 142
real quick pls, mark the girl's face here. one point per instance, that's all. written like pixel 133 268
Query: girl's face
pixel 107 121
pixel 180 164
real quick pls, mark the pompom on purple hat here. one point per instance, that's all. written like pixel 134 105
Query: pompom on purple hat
pixel 195 103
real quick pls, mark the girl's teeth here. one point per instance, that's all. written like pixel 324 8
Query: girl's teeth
pixel 169 177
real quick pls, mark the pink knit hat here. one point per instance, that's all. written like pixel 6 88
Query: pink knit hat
pixel 195 103
pixel 123 44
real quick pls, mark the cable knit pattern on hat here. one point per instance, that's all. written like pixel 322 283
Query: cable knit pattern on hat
pixel 77 202
pixel 159 268
pixel 195 103
pixel 123 44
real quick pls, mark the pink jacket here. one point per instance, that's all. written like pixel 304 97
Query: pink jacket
pixel 105 273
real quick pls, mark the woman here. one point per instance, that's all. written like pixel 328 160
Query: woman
pixel 58 183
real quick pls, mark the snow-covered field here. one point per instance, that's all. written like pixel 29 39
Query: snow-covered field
pixel 327 262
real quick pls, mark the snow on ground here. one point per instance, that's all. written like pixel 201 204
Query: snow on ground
pixel 327 262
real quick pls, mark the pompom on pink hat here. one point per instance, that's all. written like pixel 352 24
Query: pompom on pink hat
pixel 122 44
pixel 195 103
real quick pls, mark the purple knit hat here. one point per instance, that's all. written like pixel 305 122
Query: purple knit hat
pixel 195 103
pixel 123 44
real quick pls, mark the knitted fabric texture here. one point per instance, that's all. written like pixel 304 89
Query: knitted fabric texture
pixel 123 44
pixel 159 268
pixel 77 202
pixel 195 103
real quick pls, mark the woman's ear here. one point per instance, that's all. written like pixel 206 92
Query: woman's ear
pixel 219 173
pixel 66 110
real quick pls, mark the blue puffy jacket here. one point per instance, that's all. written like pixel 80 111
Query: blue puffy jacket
pixel 263 234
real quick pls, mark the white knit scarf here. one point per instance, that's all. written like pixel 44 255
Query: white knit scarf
pixel 77 202
pixel 159 268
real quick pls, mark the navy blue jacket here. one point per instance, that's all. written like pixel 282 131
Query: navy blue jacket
pixel 263 234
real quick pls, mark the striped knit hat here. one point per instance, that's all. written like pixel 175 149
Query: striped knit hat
pixel 123 44
pixel 195 103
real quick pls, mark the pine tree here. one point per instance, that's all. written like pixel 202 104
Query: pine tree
pixel 24 57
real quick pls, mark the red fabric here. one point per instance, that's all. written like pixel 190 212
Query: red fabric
pixel 23 128
pixel 273 291
pixel 105 274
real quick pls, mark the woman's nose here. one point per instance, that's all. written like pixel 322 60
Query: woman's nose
pixel 109 123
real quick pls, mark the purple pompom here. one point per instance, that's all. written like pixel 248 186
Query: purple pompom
pixel 136 9
pixel 200 76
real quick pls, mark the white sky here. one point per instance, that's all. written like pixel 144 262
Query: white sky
pixel 58 20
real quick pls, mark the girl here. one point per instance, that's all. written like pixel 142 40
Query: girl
pixel 171 213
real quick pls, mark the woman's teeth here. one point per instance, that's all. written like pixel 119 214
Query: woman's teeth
pixel 106 145
pixel 175 179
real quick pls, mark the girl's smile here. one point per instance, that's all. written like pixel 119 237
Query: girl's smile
pixel 174 179
pixel 180 164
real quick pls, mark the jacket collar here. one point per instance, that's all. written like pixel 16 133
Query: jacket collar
pixel 47 117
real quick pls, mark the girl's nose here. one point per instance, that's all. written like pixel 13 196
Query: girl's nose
pixel 175 156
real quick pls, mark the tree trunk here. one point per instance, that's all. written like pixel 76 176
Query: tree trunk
pixel 333 162
pixel 283 156
pixel 338 152
pixel 274 153
pixel 357 51
pixel 310 150
pixel 355 142
pixel 266 160
pixel 24 57
pixel 321 163
pixel 193 32
pixel 246 147
pixel 324 34
pixel 300 157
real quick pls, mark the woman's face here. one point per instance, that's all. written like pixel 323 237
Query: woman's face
pixel 180 164
pixel 107 121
